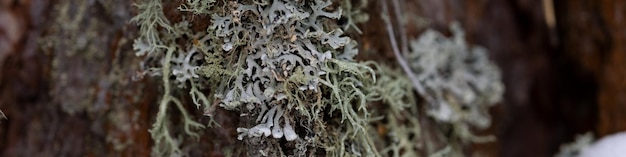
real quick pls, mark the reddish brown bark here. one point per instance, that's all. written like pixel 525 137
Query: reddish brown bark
pixel 612 99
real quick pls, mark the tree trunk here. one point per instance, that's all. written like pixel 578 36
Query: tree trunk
pixel 69 82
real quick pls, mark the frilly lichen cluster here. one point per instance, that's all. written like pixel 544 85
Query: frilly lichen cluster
pixel 275 63
pixel 460 81
pixel 288 69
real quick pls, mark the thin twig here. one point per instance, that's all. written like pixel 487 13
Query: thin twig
pixel 402 30
pixel 399 57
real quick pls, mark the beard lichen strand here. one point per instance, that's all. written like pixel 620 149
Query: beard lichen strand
pixel 164 143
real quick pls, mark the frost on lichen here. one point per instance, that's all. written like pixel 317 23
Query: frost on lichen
pixel 460 81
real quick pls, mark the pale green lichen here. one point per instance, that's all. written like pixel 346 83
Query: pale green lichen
pixel 404 130
pixel 280 64
pixel 288 69
pixel 354 13
pixel 164 142
pixel 157 42
pixel 197 6
pixel 460 80
pixel 150 19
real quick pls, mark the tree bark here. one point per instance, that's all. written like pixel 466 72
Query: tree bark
pixel 69 84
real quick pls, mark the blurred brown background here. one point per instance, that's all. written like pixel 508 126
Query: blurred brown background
pixel 67 86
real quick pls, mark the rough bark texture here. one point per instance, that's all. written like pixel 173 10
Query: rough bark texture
pixel 67 97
